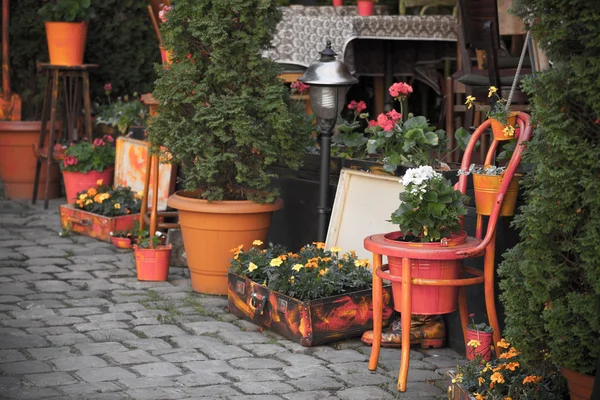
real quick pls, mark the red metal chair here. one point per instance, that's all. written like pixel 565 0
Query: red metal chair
pixel 473 247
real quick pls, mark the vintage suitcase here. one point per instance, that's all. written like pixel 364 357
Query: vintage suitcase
pixel 94 225
pixel 309 323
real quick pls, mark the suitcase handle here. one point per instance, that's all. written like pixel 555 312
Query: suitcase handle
pixel 82 221
pixel 259 299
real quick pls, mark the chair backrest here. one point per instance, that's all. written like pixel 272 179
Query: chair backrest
pixel 473 16
pixel 525 131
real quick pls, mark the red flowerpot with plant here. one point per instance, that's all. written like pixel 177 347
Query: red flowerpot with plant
pixel 87 165
pixel 365 7
pixel 152 258
pixel 479 340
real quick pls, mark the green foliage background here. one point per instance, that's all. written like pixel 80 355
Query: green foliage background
pixel 120 40
pixel 551 279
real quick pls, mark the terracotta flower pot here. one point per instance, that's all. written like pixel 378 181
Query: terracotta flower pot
pixel 18 161
pixel 165 56
pixel 211 229
pixel 365 8
pixel 485 349
pixel 121 242
pixel 66 42
pixel 498 127
pixel 580 385
pixel 152 264
pixel 337 3
pixel 76 182
pixel 427 300
pixel 486 190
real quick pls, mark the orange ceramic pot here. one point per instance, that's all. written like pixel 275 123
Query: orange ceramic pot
pixel 486 190
pixel 580 385
pixel 76 182
pixel 66 42
pixel 165 56
pixel 484 349
pixel 152 264
pixel 18 161
pixel 211 229
pixel 498 127
pixel 121 242
pixel 365 7
pixel 427 300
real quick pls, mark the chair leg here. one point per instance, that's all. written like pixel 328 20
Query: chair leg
pixel 406 319
pixel 463 311
pixel 144 209
pixel 449 110
pixel 87 105
pixel 38 164
pixel 377 313
pixel 53 105
pixel 488 283
pixel 154 211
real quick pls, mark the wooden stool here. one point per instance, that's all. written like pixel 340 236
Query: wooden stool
pixel 75 78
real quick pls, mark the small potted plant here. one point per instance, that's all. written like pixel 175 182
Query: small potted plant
pixel 479 340
pixel 503 121
pixel 102 209
pixel 510 376
pixel 66 29
pixel 152 257
pixel 365 7
pixel 486 183
pixel 122 239
pixel 86 163
pixel 122 114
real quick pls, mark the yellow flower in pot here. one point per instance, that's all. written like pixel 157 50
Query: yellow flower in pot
pixel 503 121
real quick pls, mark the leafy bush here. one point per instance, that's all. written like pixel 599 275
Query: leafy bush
pixel 85 156
pixel 551 279
pixel 224 114
pixel 68 11
pixel 310 274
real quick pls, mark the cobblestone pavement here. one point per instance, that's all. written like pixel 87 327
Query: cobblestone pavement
pixel 76 324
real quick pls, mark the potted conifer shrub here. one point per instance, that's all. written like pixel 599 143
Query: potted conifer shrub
pixel 225 117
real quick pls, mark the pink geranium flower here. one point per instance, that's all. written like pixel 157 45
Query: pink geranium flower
pixel 108 87
pixel 162 14
pixel 99 142
pixel 70 160
pixel 394 115
pixel 359 106
pixel 372 123
pixel 300 87
pixel 385 122
pixel 109 138
pixel 400 89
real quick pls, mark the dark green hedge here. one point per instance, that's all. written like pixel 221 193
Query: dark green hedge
pixel 551 279
pixel 120 39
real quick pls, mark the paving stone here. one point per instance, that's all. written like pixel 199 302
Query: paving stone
pixel 79 311
pixel 24 367
pixel 16 243
pixel 248 326
pixel 95 326
pixel 132 357
pixel 150 382
pixel 78 362
pixel 207 366
pixel 39 252
pixel 86 294
pixel 441 352
pixel 145 321
pixel 102 284
pixel 29 277
pixel 32 393
pixel 50 379
pixel 109 317
pixel 256 363
pixel 22 342
pixel 264 387
pixel 179 355
pixel 8 307
pixel 53 240
pixel 126 307
pixel 237 339
pixel 418 390
pixel 112 335
pixel 91 266
pixel 259 375
pixel 53 286
pixel 9 383
pixel 128 299
pixel 89 302
pixel 14 288
pixel 57 321
pixel 202 379
pixel 364 378
pixel 50 330
pixel 154 331
pixel 104 374
pixel 201 328
pixel 341 356
pixel 10 270
pixel 307 370
pixel 364 393
pixel 46 269
pixel 312 395
pixel 68 339
pixel 215 392
pixel 46 303
pixel 316 382
pixel 45 296
pixel 148 344
pixel 49 353
pixel 87 388
pixel 155 394
pixel 12 332
pixel 100 348
pixel 442 362
pixel 43 262
pixel 100 258
pixel 11 356
pixel 418 375
pixel 298 359
pixel 82 275
pixel 262 350
pixel 157 369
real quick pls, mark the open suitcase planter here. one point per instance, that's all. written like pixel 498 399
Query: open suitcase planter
pixel 309 323
pixel 94 225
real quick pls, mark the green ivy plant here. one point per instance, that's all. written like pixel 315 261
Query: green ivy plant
pixel 123 113
pixel 223 113
pixel 68 11
pixel 551 280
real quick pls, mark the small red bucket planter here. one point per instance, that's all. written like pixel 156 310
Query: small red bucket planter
pixel 122 242
pixel 365 7
pixel 152 264
pixel 479 343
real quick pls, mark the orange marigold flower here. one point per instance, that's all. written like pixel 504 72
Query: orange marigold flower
pixel 532 379
pixel 295 255
pixel 92 192
pixel 326 259
pixel 319 245
pixel 283 257
pixel 512 365
pixel 481 381
pixel 503 344
pixel 509 354
pixel 479 396
pixel 496 377
pixel 323 271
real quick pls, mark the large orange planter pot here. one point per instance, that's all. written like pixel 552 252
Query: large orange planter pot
pixel 580 385
pixel 486 189
pixel 211 229
pixel 76 182
pixel 152 264
pixel 427 300
pixel 66 42
pixel 18 161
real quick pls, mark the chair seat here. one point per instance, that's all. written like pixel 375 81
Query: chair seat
pixel 511 62
pixel 480 80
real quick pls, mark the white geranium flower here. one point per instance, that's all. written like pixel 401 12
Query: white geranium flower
pixel 419 175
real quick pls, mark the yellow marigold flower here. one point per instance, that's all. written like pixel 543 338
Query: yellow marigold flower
pixel 493 89
pixel 297 267
pixel 88 201
pixel 508 398
pixel 363 262
pixel 292 279
pixel 257 243
pixel 509 131
pixel 276 262
pixel 340 266
pixel 458 378
pixel 319 245
pixel 140 194
pixel 252 266
pixel 469 102
pixel 92 192
pixel 496 377
pixel 481 381
pixel 99 182
pixel 512 365
pixel 97 198
pixel 117 206
pixel 474 343
pixel 323 271
pixel 335 249
pixel 236 250
pixel 326 259
pixel 488 367
pixel 503 343
pixel 479 396
pixel 352 253
pixel 82 196
pixel 532 379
